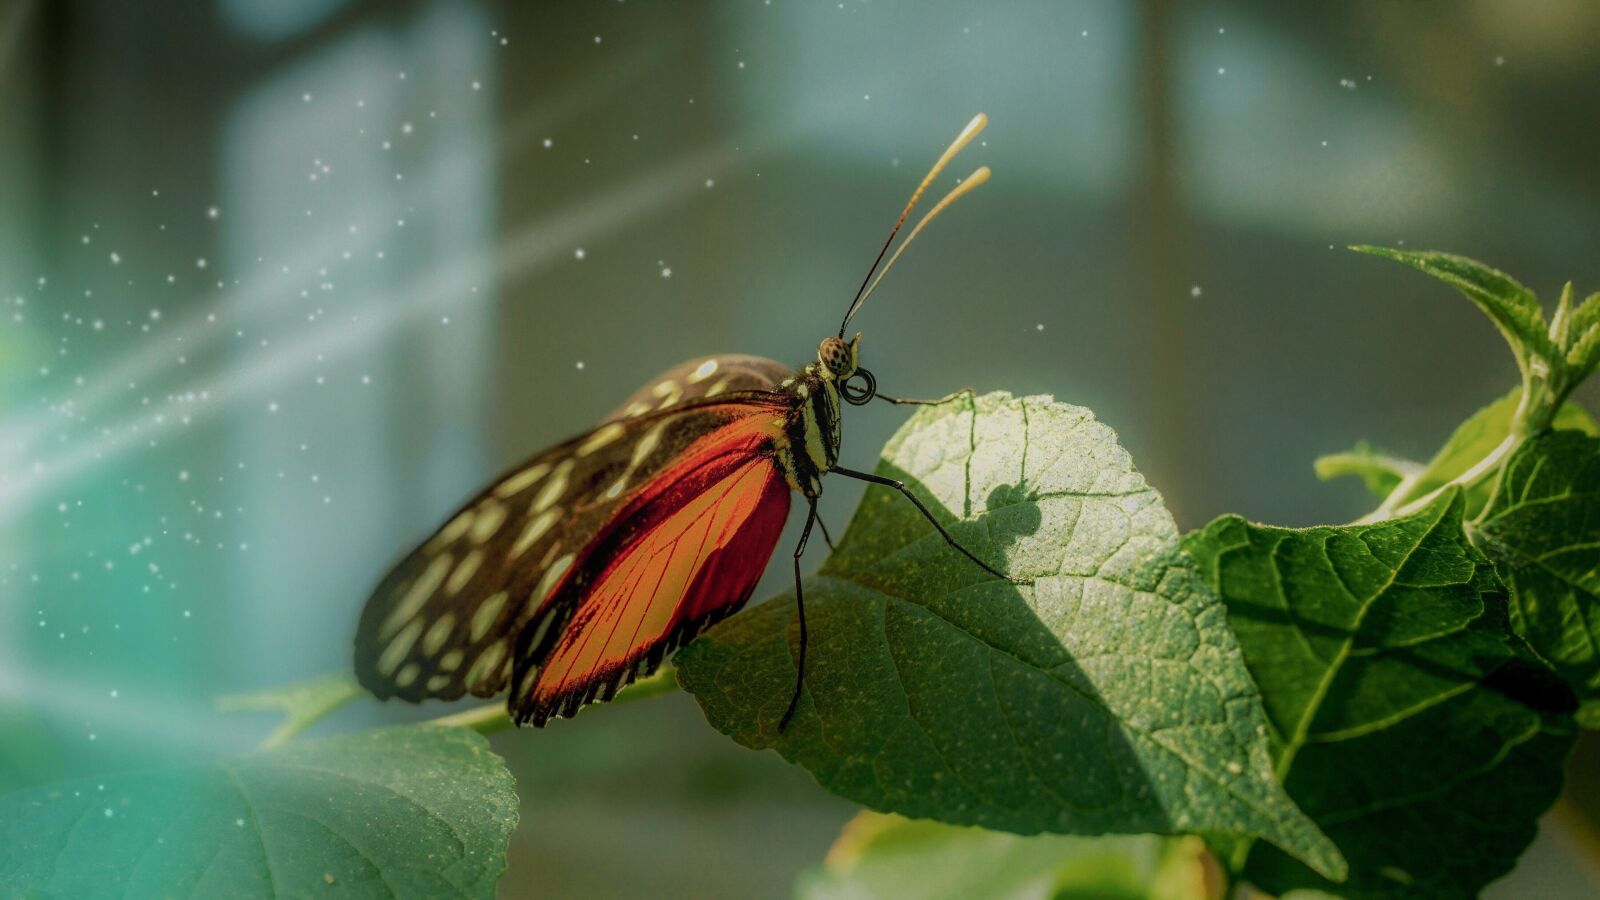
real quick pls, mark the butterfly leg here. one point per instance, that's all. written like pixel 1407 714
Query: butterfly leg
pixel 902 401
pixel 825 535
pixel 800 611
pixel 901 487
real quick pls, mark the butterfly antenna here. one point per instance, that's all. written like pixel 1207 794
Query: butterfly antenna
pixel 962 139
pixel 976 178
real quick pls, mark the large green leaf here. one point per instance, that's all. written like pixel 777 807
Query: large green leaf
pixel 885 857
pixel 399 812
pixel 1543 527
pixel 1108 696
pixel 1402 718
pixel 1475 439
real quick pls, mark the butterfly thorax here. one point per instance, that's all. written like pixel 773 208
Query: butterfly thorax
pixel 809 447
pixel 811 433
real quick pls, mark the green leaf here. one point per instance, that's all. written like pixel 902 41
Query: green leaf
pixel 302 704
pixel 1584 355
pixel 1586 315
pixel 1511 306
pixel 1578 332
pixel 1543 527
pixel 1380 472
pixel 886 856
pixel 1107 697
pixel 1475 440
pixel 398 812
pixel 1402 719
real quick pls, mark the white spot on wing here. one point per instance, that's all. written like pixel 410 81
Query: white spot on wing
pixel 669 391
pixel 463 573
pixel 438 633
pixel 554 488
pixel 486 615
pixel 535 529
pixel 602 436
pixel 703 371
pixel 523 480
pixel 490 517
pixel 416 595
pixel 487 662
pixel 457 527
pixel 647 445
pixel 551 576
pixel 398 648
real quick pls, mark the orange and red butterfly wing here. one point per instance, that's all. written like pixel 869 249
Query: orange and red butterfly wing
pixel 449 618
pixel 677 562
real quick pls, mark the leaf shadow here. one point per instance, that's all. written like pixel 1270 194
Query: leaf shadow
pixel 968 704
pixel 1503 667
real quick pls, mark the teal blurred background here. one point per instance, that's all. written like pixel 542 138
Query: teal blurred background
pixel 282 282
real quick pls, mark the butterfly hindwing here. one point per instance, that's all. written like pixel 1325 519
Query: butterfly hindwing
pixel 684 553
pixel 446 620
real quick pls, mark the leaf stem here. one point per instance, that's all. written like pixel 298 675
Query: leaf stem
pixel 1396 506
pixel 302 704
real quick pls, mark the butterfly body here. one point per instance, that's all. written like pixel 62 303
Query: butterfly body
pixel 581 569
pixel 578 571
pixel 813 432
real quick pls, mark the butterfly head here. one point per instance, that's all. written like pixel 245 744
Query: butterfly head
pixel 838 359
pixel 840 363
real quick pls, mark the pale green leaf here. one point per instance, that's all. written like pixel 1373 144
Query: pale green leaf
pixel 1403 719
pixel 1584 355
pixel 887 857
pixel 1108 696
pixel 400 812
pixel 1586 315
pixel 1511 306
pixel 1380 472
pixel 1543 527
pixel 1477 438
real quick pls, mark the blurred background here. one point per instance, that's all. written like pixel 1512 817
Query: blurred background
pixel 280 283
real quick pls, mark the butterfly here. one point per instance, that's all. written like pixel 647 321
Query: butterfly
pixel 580 570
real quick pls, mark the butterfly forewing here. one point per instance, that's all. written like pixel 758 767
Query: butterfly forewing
pixel 698 378
pixel 450 617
